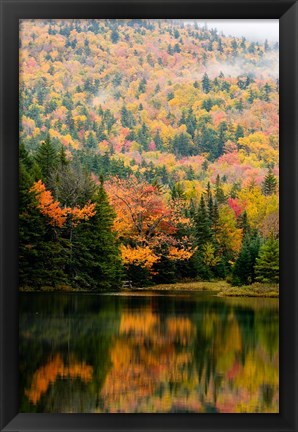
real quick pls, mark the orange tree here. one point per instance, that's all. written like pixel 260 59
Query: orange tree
pixel 150 225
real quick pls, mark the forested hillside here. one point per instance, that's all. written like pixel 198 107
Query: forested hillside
pixel 148 152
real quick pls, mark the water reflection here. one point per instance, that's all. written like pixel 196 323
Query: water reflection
pixel 149 353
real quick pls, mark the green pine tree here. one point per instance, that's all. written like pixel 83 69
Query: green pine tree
pixel 42 254
pixel 96 262
pixel 269 185
pixel 242 266
pixel 202 223
pixel 47 159
pixel 267 264
pixel 219 193
pixel 206 83
pixel 114 36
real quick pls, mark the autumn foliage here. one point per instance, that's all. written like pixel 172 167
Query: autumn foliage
pixel 52 210
pixel 180 126
pixel 146 221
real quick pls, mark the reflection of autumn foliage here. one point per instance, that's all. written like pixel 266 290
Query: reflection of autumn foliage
pixel 47 375
pixel 148 221
pixel 153 367
pixel 145 359
pixel 57 215
pixel 138 324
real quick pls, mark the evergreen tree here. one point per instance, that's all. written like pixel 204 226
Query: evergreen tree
pixel 242 267
pixel 47 159
pixel 157 88
pixel 207 142
pixel 202 225
pixel 91 141
pixel 239 132
pixel 234 46
pixel 142 86
pixel 96 262
pixel 177 192
pixel 251 48
pixel 114 36
pixel 266 90
pixel 251 96
pixel 219 193
pixel 243 43
pixel 127 118
pixel 207 104
pixel 170 50
pixel 209 200
pixel 222 137
pixel 244 224
pixel 165 271
pixel 143 136
pixel 191 123
pixel 235 189
pixel 206 83
pixel 42 252
pixel 182 145
pixel 243 271
pixel 239 105
pixel 158 141
pixel 219 46
pixel 177 48
pixel 267 264
pixel 269 185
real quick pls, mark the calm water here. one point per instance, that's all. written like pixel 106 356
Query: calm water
pixel 148 353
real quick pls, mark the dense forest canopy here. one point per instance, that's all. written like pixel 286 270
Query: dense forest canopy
pixel 148 151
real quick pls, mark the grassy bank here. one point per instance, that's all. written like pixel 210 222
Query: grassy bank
pixel 221 288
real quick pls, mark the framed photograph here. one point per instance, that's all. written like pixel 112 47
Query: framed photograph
pixel 148 215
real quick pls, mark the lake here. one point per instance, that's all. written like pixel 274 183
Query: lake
pixel 150 352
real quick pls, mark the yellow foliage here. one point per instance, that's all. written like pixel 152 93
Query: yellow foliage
pixel 139 256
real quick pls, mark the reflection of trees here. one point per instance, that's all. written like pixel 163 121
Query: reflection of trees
pixel 65 327
pixel 150 354
pixel 49 373
pixel 152 365
pixel 236 355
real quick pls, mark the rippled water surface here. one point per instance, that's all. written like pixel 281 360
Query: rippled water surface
pixel 148 352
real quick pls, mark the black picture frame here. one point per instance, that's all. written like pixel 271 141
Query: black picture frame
pixel 287 13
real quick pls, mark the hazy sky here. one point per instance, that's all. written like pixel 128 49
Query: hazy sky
pixel 254 29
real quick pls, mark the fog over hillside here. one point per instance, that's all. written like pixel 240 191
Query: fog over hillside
pixel 255 30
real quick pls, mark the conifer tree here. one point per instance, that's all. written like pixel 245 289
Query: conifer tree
pixel 239 132
pixel 127 118
pixel 62 158
pixel 114 36
pixel 244 224
pixel 267 264
pixel 42 252
pixel 206 83
pixel 239 105
pixel 209 200
pixel 243 271
pixel 219 193
pixel 158 141
pixel 270 183
pixel 47 159
pixel 242 267
pixel 191 123
pixel 96 262
pixel 202 225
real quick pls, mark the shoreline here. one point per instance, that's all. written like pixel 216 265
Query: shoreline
pixel 220 288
